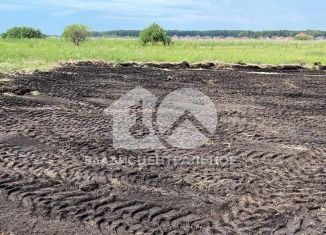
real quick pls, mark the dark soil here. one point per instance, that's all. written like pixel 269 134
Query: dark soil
pixel 271 139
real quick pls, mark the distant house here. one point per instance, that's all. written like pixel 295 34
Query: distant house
pixel 244 38
pixel 264 38
pixel 320 38
pixel 281 38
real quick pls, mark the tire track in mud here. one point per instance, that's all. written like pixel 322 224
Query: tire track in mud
pixel 72 186
pixel 270 177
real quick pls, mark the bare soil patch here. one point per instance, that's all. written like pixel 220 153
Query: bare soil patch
pixel 271 134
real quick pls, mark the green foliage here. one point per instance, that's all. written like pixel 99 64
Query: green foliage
pixel 31 54
pixel 77 33
pixel 23 32
pixel 154 34
pixel 303 37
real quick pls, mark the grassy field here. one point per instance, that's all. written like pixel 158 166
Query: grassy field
pixel 44 53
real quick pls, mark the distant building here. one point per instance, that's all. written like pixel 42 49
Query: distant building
pixel 281 38
pixel 320 38
pixel 264 38
pixel 244 38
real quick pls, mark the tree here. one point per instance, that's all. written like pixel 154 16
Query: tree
pixel 303 37
pixel 77 33
pixel 23 32
pixel 154 34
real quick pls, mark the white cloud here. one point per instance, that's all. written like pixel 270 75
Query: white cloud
pixel 244 14
pixel 122 7
pixel 10 7
pixel 117 4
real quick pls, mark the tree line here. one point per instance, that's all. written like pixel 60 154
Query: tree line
pixel 215 33
pixel 154 34
pixel 78 33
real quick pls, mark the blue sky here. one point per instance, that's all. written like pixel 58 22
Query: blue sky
pixel 52 15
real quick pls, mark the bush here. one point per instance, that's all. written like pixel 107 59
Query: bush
pixel 23 32
pixel 303 37
pixel 77 33
pixel 154 34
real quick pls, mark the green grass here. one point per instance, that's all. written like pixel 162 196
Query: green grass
pixel 45 53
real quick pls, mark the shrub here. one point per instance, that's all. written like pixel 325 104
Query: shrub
pixel 23 32
pixel 77 33
pixel 303 37
pixel 154 34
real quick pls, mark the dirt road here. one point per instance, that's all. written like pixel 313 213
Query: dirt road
pixel 57 177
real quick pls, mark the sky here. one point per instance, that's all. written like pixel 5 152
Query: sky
pixel 51 16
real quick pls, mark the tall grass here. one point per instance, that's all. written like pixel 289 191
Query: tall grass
pixel 44 53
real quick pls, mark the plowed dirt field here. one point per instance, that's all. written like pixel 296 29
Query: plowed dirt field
pixel 56 147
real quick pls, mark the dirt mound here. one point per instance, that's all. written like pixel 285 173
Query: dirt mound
pixel 16 90
pixel 207 65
